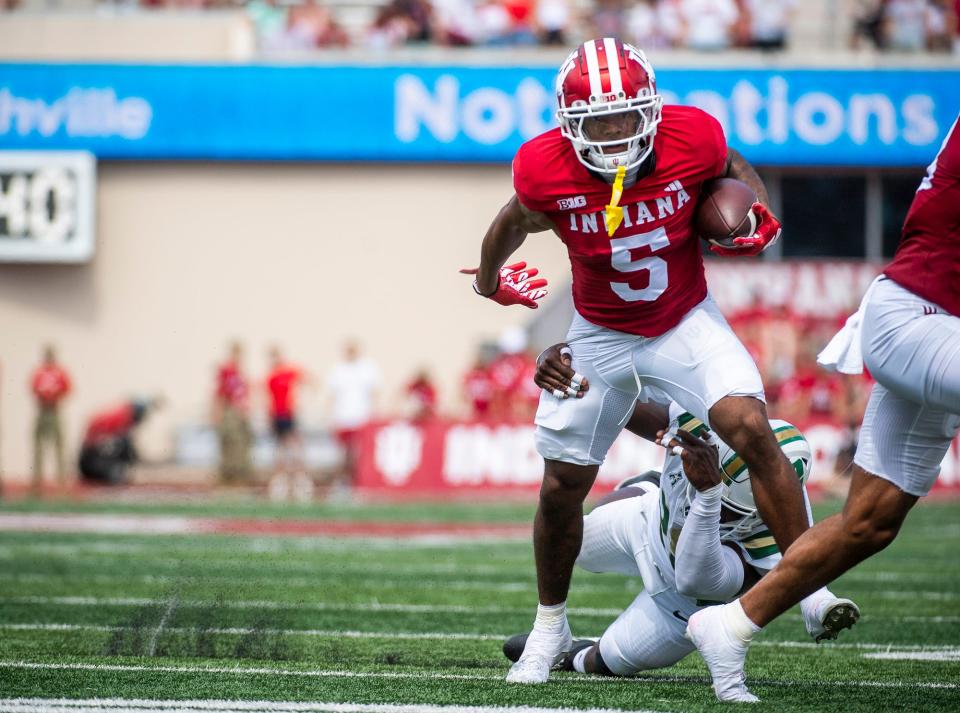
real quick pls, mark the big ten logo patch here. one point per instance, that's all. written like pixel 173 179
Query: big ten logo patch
pixel 571 203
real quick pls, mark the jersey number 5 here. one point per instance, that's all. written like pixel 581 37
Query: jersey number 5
pixel 657 267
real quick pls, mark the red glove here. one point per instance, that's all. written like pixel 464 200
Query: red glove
pixel 514 286
pixel 766 234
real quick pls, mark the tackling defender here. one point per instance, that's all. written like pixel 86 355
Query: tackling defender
pixel 907 332
pixel 618 182
pixel 695 539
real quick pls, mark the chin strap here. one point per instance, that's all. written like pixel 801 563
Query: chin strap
pixel 614 211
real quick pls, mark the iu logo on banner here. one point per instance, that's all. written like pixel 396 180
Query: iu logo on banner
pixel 398 452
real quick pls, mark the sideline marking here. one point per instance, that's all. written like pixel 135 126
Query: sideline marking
pixel 422 675
pixel 115 705
pixel 461 636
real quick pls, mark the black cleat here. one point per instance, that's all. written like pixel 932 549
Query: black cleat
pixel 514 646
pixel 644 481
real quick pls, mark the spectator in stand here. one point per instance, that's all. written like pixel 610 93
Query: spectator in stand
pixel 708 24
pixel 108 450
pixel 420 398
pixel 779 346
pixel 608 19
pixel 552 21
pixel 941 25
pixel 906 25
pixel 311 26
pixel 289 478
pixel 230 405
pixel 768 22
pixel 521 13
pixel 953 20
pixel 507 372
pixel 456 23
pixel 401 22
pixel 50 385
pixel 478 385
pixel 353 385
pixel 269 22
pixel 650 25
pixel 811 394
pixel 868 24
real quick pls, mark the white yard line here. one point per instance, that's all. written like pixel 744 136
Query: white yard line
pixel 240 631
pixel 312 606
pixel 951 654
pixel 452 636
pixel 428 675
pixel 116 705
pixel 376 607
pixel 612 587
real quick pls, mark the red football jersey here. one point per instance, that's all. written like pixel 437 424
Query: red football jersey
pixel 232 385
pixel 927 261
pixel 50 383
pixel 281 382
pixel 646 277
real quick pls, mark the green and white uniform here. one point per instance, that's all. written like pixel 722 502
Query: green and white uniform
pixel 638 537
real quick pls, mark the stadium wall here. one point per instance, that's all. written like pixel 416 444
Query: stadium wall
pixel 190 256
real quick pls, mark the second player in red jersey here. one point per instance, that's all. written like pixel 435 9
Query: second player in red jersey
pixel 617 182
pixel 907 333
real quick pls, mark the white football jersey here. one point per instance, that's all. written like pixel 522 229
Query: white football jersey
pixel 757 544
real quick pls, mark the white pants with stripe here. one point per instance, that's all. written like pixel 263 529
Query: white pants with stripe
pixel 649 633
pixel 696 364
pixel 912 349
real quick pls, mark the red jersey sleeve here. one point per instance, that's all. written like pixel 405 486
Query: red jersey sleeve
pixel 710 142
pixel 524 184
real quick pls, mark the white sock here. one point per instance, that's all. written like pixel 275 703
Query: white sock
pixel 738 623
pixel 550 617
pixel 579 660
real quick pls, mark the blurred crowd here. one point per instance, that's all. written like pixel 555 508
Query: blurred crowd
pixel 496 387
pixel 703 25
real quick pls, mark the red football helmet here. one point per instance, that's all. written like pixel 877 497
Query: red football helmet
pixel 609 106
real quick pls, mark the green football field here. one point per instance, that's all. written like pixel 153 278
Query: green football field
pixel 253 623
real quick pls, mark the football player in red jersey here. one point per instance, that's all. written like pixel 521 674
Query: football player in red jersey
pixel 907 332
pixel 618 182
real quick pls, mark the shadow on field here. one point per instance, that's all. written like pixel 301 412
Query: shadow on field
pixel 165 630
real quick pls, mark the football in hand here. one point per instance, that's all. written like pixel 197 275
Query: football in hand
pixel 724 211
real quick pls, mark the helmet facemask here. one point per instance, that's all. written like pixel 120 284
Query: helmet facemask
pixel 583 125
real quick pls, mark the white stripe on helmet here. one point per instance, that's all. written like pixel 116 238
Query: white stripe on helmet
pixel 593 67
pixel 613 65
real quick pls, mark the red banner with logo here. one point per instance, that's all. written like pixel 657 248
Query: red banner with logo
pixel 442 457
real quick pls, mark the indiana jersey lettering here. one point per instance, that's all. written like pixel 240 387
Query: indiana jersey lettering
pixel 646 276
pixel 927 261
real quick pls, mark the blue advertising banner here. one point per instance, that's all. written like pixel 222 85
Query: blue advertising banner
pixel 430 113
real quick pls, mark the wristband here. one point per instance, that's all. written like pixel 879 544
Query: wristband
pixel 477 289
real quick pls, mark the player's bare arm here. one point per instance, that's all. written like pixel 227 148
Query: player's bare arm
pixel 512 284
pixel 739 168
pixel 767 226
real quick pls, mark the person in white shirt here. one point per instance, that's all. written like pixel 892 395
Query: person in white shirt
pixel 769 22
pixel 353 385
pixel 709 23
